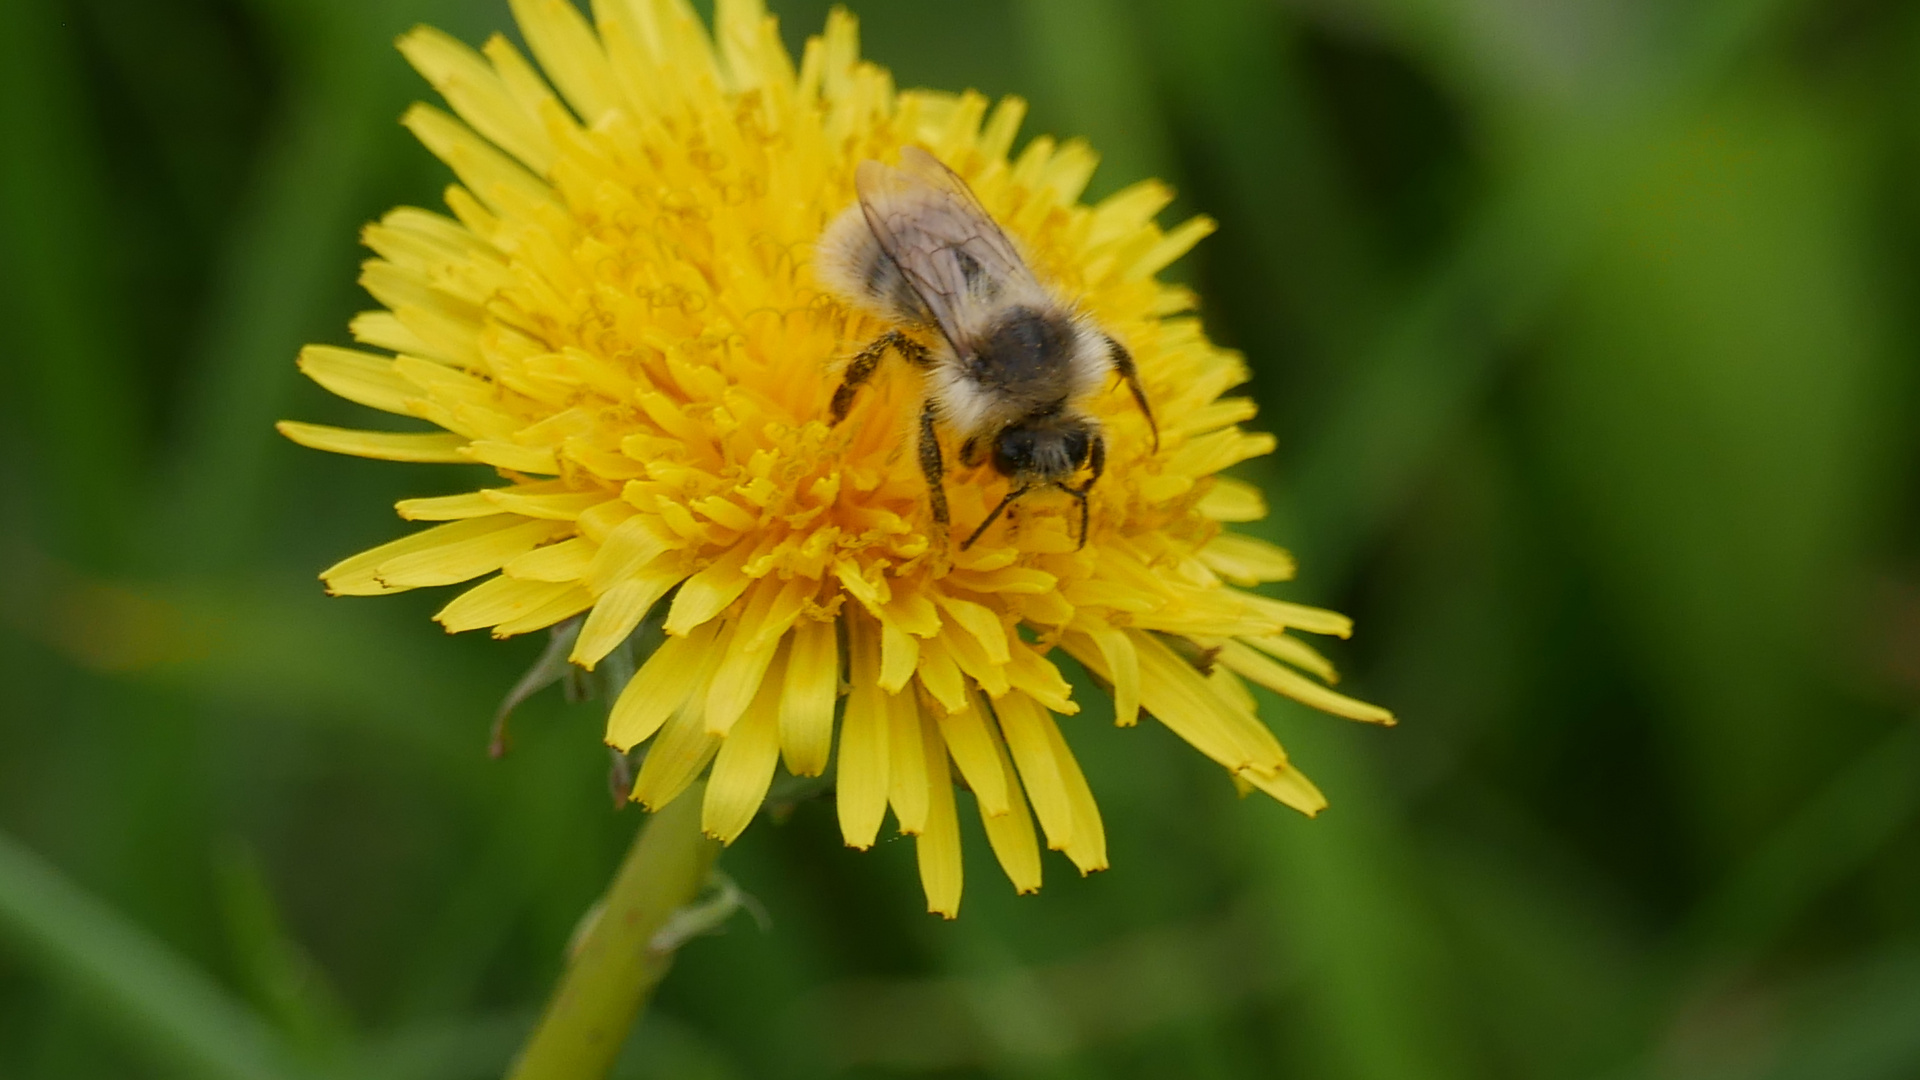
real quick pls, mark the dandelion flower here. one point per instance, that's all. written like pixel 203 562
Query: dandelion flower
pixel 621 317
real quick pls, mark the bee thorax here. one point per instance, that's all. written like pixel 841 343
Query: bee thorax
pixel 1027 348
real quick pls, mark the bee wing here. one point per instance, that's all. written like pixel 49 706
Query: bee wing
pixel 945 243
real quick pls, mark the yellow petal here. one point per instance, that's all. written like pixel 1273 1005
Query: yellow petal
pixel 1177 242
pixel 665 681
pixel 502 599
pixel 1011 834
pixel 444 250
pixel 1289 786
pixel 1245 560
pixel 538 460
pixel 359 377
pixel 863 776
pixel 1123 212
pixel 980 622
pixel 598 525
pixel 743 768
pixel 750 46
pixel 1284 680
pixel 632 544
pixel 1311 619
pixel 996 139
pixel 1024 725
pixel 1179 697
pixel 737 682
pixel 1027 670
pixel 941 676
pixel 912 612
pixel 454 562
pixel 899 656
pixel 555 506
pixel 966 651
pixel 436 446
pixel 355 576
pixel 1087 847
pixel 1211 453
pixel 467 504
pixel 477 93
pixel 564 603
pixel 774 610
pixel 384 330
pixel 618 611
pixel 532 93
pixel 907 779
pixel 1222 413
pixel 570 54
pixel 565 561
pixel 676 757
pixel 806 707
pixel 1296 652
pixel 967 739
pixel 708 592
pixel 1115 661
pixel 496 179
pixel 1232 500
pixel 938 845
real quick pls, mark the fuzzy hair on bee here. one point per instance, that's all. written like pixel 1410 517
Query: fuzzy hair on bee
pixel 1010 364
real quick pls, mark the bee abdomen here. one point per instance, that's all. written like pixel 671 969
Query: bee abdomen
pixel 852 263
pixel 890 288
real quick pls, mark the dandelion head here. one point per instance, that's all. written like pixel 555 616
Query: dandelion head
pixel 622 315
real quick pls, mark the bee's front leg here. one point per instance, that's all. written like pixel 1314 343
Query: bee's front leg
pixel 1097 462
pixel 1124 366
pixel 867 360
pixel 935 468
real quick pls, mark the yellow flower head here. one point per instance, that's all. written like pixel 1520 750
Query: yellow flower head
pixel 623 317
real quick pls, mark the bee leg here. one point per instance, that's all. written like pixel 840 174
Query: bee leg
pixel 935 468
pixel 1123 363
pixel 864 362
pixel 1080 496
pixel 995 516
pixel 1097 461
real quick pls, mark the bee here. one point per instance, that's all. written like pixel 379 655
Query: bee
pixel 1011 363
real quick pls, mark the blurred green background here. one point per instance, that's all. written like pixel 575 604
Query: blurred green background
pixel 1586 327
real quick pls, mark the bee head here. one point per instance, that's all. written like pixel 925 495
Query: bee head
pixel 1043 449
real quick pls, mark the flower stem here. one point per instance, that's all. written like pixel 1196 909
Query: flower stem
pixel 616 964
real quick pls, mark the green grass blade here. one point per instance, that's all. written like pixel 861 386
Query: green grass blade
pixel 1234 79
pixel 1859 1025
pixel 66 372
pixel 1350 912
pixel 1088 72
pixel 1834 833
pixel 161 1003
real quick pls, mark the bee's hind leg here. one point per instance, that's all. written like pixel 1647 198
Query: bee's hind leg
pixel 867 360
pixel 935 468
pixel 1123 364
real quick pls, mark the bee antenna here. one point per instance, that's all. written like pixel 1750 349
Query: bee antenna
pixel 995 516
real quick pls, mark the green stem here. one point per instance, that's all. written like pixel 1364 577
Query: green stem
pixel 616 966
